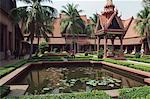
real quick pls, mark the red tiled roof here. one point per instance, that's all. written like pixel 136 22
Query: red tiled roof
pixel 127 22
pixel 103 20
pixel 51 41
pixel 57 30
pixel 132 32
pixel 132 41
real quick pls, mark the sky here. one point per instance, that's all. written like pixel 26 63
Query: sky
pixel 126 8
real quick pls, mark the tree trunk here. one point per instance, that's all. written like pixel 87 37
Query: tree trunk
pixel 95 44
pixel 38 43
pixel 148 41
pixel 31 49
pixel 73 46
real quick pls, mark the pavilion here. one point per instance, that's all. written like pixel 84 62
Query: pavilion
pixel 110 26
pixel 111 30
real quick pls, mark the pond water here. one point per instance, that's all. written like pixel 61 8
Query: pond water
pixel 55 80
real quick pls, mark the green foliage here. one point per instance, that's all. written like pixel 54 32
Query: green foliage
pixel 146 3
pixel 128 64
pixel 46 58
pixel 97 59
pixel 4 71
pixel 43 47
pixel 9 68
pixel 4 90
pixel 137 55
pixel 100 53
pixel 72 24
pixel 89 95
pixel 37 19
pixel 140 60
pixel 86 53
pixel 135 93
pixel 143 24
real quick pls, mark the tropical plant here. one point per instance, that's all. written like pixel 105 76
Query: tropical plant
pixel 146 3
pixel 93 25
pixel 88 95
pixel 72 24
pixel 43 47
pixel 135 93
pixel 37 19
pixel 143 23
pixel 4 90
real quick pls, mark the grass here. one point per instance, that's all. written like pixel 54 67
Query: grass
pixel 10 67
pixel 128 64
pixel 89 95
pixel 4 90
pixel 135 93
pixel 144 59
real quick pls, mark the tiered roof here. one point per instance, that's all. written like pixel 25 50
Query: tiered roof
pixel 106 20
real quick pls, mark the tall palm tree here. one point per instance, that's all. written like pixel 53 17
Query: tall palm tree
pixel 93 25
pixel 72 23
pixel 146 3
pixel 38 19
pixel 143 23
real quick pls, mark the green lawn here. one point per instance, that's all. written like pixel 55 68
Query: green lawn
pixel 144 59
pixel 129 64
pixel 89 95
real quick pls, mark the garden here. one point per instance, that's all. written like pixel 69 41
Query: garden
pixel 86 57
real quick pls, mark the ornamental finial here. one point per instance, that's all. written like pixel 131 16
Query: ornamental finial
pixel 109 2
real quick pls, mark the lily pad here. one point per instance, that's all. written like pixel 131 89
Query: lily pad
pixel 92 83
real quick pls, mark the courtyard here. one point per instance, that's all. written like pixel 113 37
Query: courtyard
pixel 47 54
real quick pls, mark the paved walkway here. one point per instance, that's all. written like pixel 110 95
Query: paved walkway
pixel 17 90
pixel 139 62
pixel 113 93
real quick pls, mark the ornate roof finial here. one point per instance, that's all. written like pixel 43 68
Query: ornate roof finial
pixel 109 2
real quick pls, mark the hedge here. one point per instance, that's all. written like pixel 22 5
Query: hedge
pixel 89 95
pixel 140 60
pixel 9 68
pixel 135 93
pixel 4 90
pixel 128 64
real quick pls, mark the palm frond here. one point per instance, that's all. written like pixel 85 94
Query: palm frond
pixel 25 1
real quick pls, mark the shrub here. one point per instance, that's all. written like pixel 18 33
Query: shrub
pixel 5 71
pixel 9 68
pixel 43 47
pixel 4 90
pixel 135 93
pixel 140 60
pixel 89 95
pixel 86 53
pixel 137 55
pixel 100 53
pixel 128 64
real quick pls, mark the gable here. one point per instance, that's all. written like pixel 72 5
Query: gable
pixel 114 24
pixel 98 27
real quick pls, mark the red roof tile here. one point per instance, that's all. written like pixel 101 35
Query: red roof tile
pixel 57 31
pixel 131 32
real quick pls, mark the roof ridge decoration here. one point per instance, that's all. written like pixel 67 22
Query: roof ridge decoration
pixel 109 2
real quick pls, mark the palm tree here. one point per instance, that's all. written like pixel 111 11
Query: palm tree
pixel 72 23
pixel 143 24
pixel 146 3
pixel 93 25
pixel 38 19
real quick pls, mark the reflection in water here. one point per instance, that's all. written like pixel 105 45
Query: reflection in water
pixel 74 79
